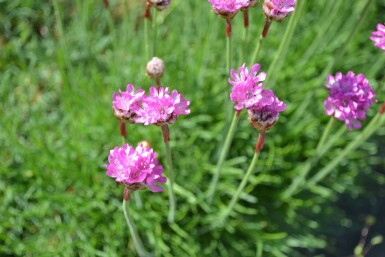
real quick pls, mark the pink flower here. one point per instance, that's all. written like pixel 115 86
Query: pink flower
pixel 125 104
pixel 278 9
pixel 228 8
pixel 264 114
pixel 349 97
pixel 247 86
pixel 136 168
pixel 161 107
pixel 378 37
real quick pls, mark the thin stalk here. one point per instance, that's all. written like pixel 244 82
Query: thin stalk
pixel 283 47
pixel 228 45
pixel 241 187
pixel 366 133
pixel 155 31
pixel 135 237
pixel 146 39
pixel 172 202
pixel 257 49
pixel 325 134
pixel 222 157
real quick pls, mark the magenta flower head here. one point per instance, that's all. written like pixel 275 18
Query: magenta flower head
pixel 135 168
pixel 349 97
pixel 229 8
pixel 162 107
pixel 126 103
pixel 247 86
pixel 278 9
pixel 378 37
pixel 264 114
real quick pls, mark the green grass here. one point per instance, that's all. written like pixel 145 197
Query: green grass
pixel 61 61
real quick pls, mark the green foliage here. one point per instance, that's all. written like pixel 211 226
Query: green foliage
pixel 60 62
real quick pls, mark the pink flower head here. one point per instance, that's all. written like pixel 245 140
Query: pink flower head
pixel 161 107
pixel 349 97
pixel 125 104
pixel 278 9
pixel 228 8
pixel 136 168
pixel 264 114
pixel 378 37
pixel 247 86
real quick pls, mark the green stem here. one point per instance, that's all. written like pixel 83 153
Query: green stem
pixel 222 157
pixel 155 30
pixel 241 187
pixel 171 195
pixel 366 133
pixel 257 48
pixel 228 53
pixel 325 134
pixel 134 234
pixel 283 47
pixel 146 39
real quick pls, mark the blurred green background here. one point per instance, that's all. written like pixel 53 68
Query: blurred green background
pixel 60 62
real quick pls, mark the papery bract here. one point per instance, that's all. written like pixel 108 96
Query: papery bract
pixel 136 168
pixel 264 114
pixel 349 98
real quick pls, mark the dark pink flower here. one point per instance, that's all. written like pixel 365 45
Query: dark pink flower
pixel 125 104
pixel 247 86
pixel 162 107
pixel 378 37
pixel 264 114
pixel 278 9
pixel 136 168
pixel 349 98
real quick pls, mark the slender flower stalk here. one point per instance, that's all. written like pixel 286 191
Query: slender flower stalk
pixel 234 200
pixel 131 226
pixel 172 201
pixel 222 157
pixel 285 43
pixel 257 48
pixel 155 31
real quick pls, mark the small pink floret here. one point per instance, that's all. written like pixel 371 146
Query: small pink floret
pixel 247 86
pixel 378 37
pixel 135 166
pixel 162 107
pixel 349 98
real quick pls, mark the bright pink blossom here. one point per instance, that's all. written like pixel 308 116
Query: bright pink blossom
pixel 125 104
pixel 349 97
pixel 278 9
pixel 264 114
pixel 228 8
pixel 136 168
pixel 247 86
pixel 378 37
pixel 162 107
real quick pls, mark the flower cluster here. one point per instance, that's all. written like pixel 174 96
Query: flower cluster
pixel 378 37
pixel 278 9
pixel 160 107
pixel 136 168
pixel 247 92
pixel 229 8
pixel 349 97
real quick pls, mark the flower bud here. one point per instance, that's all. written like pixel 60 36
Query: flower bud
pixel 155 68
pixel 145 144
